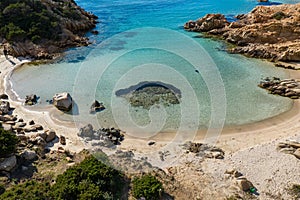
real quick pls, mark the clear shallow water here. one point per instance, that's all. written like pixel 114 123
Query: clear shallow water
pixel 119 59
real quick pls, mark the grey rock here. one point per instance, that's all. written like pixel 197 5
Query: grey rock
pixel 62 140
pixel 43 135
pixel 86 131
pixel 4 107
pixel 29 155
pixel 7 164
pixel 51 135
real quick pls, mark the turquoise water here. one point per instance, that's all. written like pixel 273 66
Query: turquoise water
pixel 144 41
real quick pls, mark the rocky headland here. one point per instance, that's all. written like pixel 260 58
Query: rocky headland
pixel 268 32
pixel 43 29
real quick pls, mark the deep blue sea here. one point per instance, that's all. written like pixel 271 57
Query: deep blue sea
pixel 144 40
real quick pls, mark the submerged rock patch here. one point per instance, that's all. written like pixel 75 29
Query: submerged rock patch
pixel 146 94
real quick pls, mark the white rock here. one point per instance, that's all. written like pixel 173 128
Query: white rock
pixel 63 101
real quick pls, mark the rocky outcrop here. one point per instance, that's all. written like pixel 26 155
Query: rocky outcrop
pixel 270 32
pixel 241 181
pixel 204 150
pixel 106 137
pixel 207 23
pixel 63 101
pixel 49 135
pixel 290 147
pixel 68 24
pixel 286 87
pixel 31 99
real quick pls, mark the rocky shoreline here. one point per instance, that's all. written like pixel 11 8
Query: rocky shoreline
pixel 267 32
pixel 286 88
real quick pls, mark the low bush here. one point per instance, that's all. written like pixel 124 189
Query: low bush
pixel 91 179
pixel 147 186
pixel 32 190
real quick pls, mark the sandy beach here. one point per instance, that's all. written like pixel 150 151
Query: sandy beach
pixel 250 149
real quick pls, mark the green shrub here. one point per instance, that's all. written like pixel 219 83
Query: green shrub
pixel 27 20
pixel 32 190
pixel 147 186
pixel 8 142
pixel 91 179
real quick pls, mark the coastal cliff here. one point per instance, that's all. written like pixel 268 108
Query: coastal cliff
pixel 42 29
pixel 269 32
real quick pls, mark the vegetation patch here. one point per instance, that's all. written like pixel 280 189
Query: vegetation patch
pixel 28 19
pixel 91 179
pixel 28 190
pixel 148 187
pixel 8 143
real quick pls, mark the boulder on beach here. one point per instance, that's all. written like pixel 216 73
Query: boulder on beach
pixel 4 107
pixel 86 131
pixel 3 96
pixel 51 135
pixel 31 99
pixel 62 140
pixel 63 101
